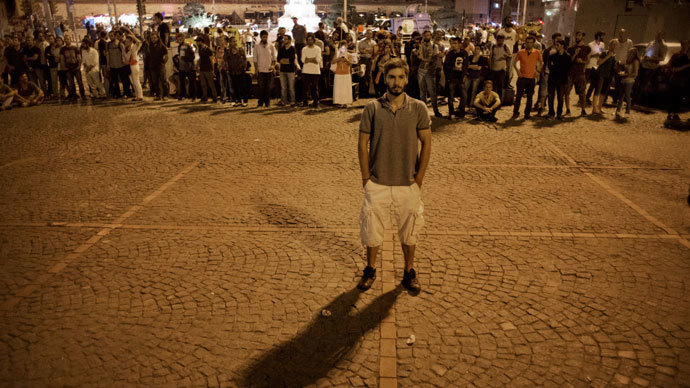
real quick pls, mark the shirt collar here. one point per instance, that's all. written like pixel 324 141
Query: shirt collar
pixel 386 104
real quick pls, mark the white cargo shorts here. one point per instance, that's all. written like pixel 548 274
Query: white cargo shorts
pixel 408 207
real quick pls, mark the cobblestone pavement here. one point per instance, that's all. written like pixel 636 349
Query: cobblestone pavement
pixel 187 245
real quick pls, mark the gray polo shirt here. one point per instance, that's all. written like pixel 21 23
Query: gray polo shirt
pixel 393 147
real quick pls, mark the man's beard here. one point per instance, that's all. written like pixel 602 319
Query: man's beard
pixel 395 93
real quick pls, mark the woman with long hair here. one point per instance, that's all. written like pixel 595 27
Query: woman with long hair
pixel 628 75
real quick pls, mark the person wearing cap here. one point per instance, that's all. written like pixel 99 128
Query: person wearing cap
pixel 299 35
pixel 499 57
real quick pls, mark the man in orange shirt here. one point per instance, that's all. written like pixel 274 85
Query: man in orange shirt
pixel 530 65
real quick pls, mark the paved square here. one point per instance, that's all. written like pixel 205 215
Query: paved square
pixel 186 245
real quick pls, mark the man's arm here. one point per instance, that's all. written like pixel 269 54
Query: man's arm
pixel 517 59
pixel 363 154
pixel 424 156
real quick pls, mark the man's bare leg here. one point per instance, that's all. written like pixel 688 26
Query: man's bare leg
pixel 372 252
pixel 408 253
pixel 410 281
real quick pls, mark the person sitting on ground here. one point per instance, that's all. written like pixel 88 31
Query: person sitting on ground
pixel 6 94
pixel 28 93
pixel 487 103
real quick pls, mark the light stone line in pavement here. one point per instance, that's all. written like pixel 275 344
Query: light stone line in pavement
pixel 12 163
pixel 601 182
pixel 30 288
pixel 269 229
pixel 388 362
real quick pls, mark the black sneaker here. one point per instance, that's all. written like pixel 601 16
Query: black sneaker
pixel 515 115
pixel 410 282
pixel 367 279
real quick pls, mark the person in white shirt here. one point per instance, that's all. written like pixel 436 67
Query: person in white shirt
pixel 597 47
pixel 510 36
pixel 91 64
pixel 366 50
pixel 624 46
pixel 264 62
pixel 311 71
pixel 130 55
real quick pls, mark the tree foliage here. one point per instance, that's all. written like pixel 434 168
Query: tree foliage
pixel 446 16
pixel 193 9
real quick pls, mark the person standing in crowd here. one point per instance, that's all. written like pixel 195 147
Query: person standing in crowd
pixel 15 60
pixel 544 76
pixel 287 60
pixel 393 170
pixel 627 76
pixel 205 67
pixel 52 63
pixel 475 68
pixel 118 69
pixel 487 103
pixel 428 53
pixel 321 34
pixel 187 70
pixel 32 56
pixel 510 34
pixel 61 72
pixel 236 61
pixel 158 56
pixel 248 40
pixel 44 73
pixel 680 79
pixel 91 64
pixel 221 68
pixel 606 69
pixel 264 62
pixel 530 62
pixel 366 51
pixel 379 67
pixel 559 67
pixel 579 56
pixel 70 57
pixel 653 55
pixel 102 48
pixel 342 81
pixel 299 35
pixel 311 71
pixel 499 58
pixel 597 47
pixel 130 53
pixel 163 29
pixel 454 68
pixel 624 45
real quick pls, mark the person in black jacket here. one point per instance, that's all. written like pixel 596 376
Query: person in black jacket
pixel 454 68
pixel 559 68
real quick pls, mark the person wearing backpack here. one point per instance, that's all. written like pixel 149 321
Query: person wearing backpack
pixel 186 58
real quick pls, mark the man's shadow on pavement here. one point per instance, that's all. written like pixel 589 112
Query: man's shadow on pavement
pixel 318 348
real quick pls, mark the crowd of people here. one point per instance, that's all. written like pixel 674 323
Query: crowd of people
pixel 472 70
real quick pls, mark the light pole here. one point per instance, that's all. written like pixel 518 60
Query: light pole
pixel 345 11
pixel 524 12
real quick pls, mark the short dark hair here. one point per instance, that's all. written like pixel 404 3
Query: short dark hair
pixel 310 35
pixel 530 37
pixel 599 35
pixel 396 63
pixel 555 35
pixel 263 32
pixel 158 15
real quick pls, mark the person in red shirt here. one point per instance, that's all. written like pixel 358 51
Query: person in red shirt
pixel 530 61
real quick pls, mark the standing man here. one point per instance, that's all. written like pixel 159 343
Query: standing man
pixel 624 46
pixel 70 58
pixel 158 56
pixel 299 35
pixel 499 58
pixel 163 29
pixel 264 62
pixel 530 64
pixel 597 47
pixel 311 71
pixel 92 69
pixel 366 50
pixel 559 66
pixel 454 68
pixel 393 170
pixel 510 34
pixel 187 70
pixel 653 55
pixel 428 53
pixel 579 57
